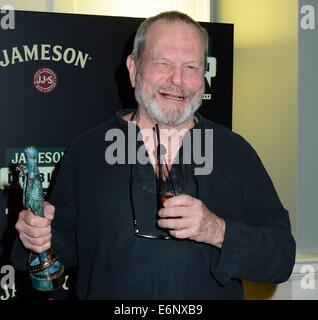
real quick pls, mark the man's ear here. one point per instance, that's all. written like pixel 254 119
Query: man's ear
pixel 131 66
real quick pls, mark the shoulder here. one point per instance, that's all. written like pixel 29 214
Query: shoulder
pixel 226 141
pixel 234 152
pixel 94 136
pixel 90 144
pixel 97 132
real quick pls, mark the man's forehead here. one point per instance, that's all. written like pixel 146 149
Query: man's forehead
pixel 161 27
pixel 162 30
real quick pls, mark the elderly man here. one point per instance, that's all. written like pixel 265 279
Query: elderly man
pixel 198 245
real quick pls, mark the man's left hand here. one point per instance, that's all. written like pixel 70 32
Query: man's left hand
pixel 188 218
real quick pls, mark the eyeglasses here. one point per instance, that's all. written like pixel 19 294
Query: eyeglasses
pixel 148 236
pixel 161 184
pixel 137 230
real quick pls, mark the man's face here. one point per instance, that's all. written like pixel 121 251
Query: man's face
pixel 170 78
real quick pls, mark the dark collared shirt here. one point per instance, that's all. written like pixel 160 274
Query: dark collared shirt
pixel 93 225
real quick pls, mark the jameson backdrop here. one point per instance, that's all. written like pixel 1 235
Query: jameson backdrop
pixel 61 74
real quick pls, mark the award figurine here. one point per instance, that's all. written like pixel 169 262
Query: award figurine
pixel 46 272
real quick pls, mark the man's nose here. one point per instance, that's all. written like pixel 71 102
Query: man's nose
pixel 176 77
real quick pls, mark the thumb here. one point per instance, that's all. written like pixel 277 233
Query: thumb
pixel 49 210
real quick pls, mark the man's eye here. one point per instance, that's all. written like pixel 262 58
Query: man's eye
pixel 162 65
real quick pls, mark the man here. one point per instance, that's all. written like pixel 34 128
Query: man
pixel 232 228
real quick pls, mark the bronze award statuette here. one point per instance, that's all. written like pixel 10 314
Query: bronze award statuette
pixel 46 272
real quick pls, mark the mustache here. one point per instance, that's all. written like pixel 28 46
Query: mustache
pixel 181 92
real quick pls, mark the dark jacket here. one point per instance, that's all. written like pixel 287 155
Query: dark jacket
pixel 93 226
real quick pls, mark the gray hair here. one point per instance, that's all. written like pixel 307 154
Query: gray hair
pixel 169 17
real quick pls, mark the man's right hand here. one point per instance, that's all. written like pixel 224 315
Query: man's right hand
pixel 35 232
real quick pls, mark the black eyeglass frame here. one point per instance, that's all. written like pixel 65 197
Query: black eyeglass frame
pixel 136 228
pixel 132 176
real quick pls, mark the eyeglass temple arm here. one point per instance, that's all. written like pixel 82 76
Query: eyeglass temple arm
pixel 165 163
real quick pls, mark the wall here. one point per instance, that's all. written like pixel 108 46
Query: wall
pixel 265 97
pixel 307 199
pixel 137 8
pixel 265 85
pixel 198 9
pixel 39 5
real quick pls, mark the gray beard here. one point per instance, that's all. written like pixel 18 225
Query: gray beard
pixel 172 116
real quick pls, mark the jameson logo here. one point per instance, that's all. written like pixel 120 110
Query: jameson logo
pixel 43 52
pixel 45 80
pixel 47 159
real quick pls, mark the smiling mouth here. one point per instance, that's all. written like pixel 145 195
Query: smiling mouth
pixel 172 96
